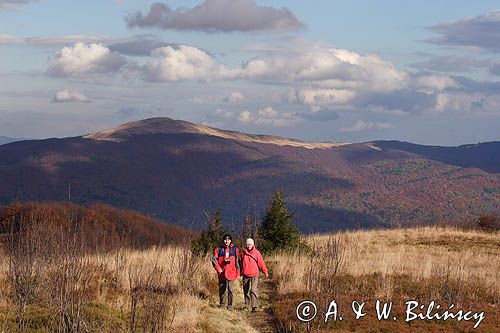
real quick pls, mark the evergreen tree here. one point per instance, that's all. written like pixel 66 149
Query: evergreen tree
pixel 276 231
pixel 210 237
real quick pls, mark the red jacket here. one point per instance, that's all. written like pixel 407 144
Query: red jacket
pixel 252 262
pixel 226 270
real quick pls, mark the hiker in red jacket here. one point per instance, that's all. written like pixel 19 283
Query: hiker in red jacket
pixel 226 263
pixel 251 265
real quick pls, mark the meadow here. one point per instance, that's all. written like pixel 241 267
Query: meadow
pixel 51 281
pixel 447 265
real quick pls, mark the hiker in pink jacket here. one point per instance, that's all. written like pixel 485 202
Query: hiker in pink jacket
pixel 251 263
pixel 226 263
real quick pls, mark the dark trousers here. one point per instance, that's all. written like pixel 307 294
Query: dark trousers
pixel 250 291
pixel 224 285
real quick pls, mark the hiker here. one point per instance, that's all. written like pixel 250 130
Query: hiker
pixel 251 265
pixel 225 262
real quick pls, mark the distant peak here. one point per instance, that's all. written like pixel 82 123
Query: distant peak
pixel 165 125
pixel 141 127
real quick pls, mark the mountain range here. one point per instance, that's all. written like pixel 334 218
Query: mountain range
pixel 5 139
pixel 176 171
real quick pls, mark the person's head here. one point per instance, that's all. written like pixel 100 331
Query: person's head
pixel 226 239
pixel 250 243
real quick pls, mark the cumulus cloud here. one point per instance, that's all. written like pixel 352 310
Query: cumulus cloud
pixel 180 63
pixel 317 76
pixel 323 76
pixel 217 16
pixel 458 102
pixel 451 64
pixel 430 84
pixel 400 102
pixel 328 68
pixel 360 126
pixel 320 77
pixel 70 96
pixel 478 32
pixel 84 59
pixel 271 117
pixel 266 116
pixel 234 97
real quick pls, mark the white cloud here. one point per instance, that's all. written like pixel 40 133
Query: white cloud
pixel 360 126
pixel 271 117
pixel 457 101
pixel 325 96
pixel 234 97
pixel 323 67
pixel 321 75
pixel 83 59
pixel 180 63
pixel 430 84
pixel 245 117
pixel 266 116
pixel 70 96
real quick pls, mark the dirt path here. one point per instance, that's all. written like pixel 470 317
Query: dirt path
pixel 263 320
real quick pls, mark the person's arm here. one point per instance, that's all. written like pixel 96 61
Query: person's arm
pixel 215 261
pixel 262 265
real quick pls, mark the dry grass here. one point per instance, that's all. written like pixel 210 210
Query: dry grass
pixel 173 291
pixel 444 264
pixel 167 289
pixel 420 253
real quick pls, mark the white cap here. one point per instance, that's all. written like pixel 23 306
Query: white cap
pixel 250 241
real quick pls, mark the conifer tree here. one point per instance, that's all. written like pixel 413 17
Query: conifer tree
pixel 210 237
pixel 276 231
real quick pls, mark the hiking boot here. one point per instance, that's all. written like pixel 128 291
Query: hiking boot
pixel 254 309
pixel 229 308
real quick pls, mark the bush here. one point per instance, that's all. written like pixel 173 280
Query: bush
pixel 489 222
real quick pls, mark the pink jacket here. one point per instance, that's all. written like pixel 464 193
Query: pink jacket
pixel 226 270
pixel 252 262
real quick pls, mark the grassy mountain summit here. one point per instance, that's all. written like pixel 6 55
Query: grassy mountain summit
pixel 174 170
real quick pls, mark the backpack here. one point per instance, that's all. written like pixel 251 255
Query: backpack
pixel 222 251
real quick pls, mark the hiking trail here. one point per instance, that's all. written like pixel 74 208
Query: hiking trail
pixel 264 321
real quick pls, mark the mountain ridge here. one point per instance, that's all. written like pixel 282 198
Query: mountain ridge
pixel 165 125
pixel 178 174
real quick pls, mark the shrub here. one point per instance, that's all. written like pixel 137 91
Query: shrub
pixel 210 237
pixel 489 222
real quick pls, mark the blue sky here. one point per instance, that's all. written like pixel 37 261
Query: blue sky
pixel 323 70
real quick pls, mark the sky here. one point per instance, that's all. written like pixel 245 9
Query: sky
pixel 350 71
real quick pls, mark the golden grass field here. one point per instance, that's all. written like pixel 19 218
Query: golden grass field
pixel 170 290
pixel 450 266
